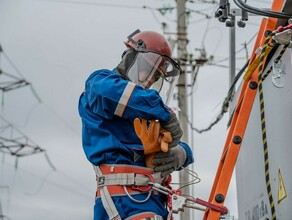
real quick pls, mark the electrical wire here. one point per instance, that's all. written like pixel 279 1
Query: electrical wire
pixel 202 1
pixel 225 104
pixel 60 186
pixel 95 3
pixel 34 92
pixel 199 12
pixel 197 21
pixel 153 13
pixel 262 12
pixel 12 64
pixel 46 181
pixel 130 7
pixel 19 141
pixel 238 51
pixel 21 81
pixel 40 187
pixel 207 29
pixel 263 1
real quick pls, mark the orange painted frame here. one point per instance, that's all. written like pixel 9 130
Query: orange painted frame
pixel 239 123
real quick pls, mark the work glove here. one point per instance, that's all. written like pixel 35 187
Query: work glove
pixel 170 161
pixel 173 126
pixel 153 138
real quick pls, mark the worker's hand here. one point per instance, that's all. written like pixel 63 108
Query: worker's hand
pixel 169 161
pixel 174 128
pixel 148 132
pixel 153 138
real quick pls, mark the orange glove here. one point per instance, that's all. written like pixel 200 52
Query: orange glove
pixel 153 138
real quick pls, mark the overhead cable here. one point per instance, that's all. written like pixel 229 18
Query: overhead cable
pixel 225 104
pixel 59 185
pixel 202 1
pixel 96 3
pixel 15 143
pixel 262 12
pixel 238 51
pixel 18 82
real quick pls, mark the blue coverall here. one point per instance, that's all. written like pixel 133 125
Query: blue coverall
pixel 111 139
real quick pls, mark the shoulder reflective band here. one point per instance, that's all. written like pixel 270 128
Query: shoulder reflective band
pixel 124 99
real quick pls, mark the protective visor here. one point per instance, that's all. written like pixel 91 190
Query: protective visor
pixel 150 66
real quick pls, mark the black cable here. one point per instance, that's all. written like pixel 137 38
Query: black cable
pixel 225 104
pixel 262 12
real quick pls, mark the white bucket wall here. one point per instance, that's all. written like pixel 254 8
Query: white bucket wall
pixel 253 200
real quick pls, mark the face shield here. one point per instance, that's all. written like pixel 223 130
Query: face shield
pixel 165 87
pixel 151 70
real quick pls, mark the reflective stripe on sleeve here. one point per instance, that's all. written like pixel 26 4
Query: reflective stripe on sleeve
pixel 124 99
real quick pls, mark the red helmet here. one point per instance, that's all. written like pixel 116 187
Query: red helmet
pixel 149 40
pixel 152 66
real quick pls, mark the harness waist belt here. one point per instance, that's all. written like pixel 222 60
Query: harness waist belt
pixel 117 177
pixel 145 216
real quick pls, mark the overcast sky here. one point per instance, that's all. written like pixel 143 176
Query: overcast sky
pixel 55 45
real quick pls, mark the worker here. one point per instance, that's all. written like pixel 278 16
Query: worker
pixel 110 103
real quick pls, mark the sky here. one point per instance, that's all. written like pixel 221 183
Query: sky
pixel 55 45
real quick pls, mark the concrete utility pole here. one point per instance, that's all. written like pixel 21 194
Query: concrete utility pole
pixel 182 87
pixel 232 52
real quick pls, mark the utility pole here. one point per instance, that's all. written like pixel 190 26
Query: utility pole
pixel 182 88
pixel 232 53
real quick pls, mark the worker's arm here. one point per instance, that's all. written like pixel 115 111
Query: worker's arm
pixel 190 157
pixel 109 95
pixel 176 158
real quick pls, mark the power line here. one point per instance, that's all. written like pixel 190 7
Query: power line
pixel 225 104
pixel 15 143
pixel 12 140
pixel 203 1
pixel 96 4
pixel 60 186
pixel 238 51
pixel 8 81
pixel 258 11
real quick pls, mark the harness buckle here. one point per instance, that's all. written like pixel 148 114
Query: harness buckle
pixel 145 188
pixel 100 181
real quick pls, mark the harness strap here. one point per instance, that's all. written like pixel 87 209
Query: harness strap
pixel 140 175
pixel 120 180
pixel 145 216
pixel 119 191
pixel 123 168
pixel 128 179
pixel 107 201
pixel 117 177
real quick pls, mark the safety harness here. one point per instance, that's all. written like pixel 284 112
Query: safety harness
pixel 120 180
